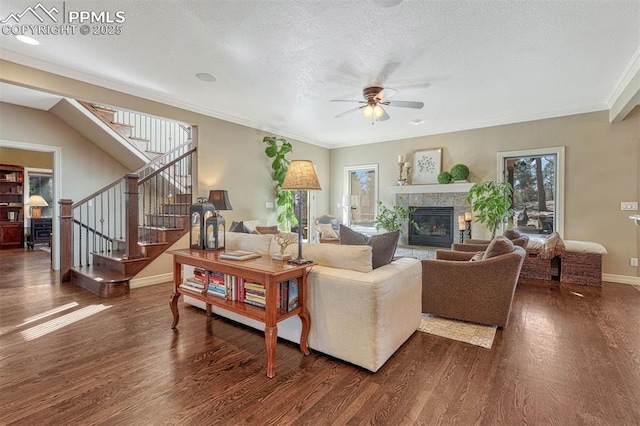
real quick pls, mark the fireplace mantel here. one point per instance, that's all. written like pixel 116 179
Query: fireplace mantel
pixel 431 189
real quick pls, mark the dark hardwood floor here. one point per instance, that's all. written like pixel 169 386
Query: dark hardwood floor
pixel 569 356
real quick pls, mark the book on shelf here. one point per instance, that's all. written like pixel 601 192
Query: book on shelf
pixel 238 255
pixel 288 295
pixel 183 286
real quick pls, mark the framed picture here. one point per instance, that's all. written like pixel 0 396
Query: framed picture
pixel 427 165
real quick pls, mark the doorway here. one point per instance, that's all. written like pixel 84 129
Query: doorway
pixel 57 185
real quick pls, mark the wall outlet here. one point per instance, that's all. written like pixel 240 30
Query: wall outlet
pixel 634 261
pixel 629 205
pixel 269 204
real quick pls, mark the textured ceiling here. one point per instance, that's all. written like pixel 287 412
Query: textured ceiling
pixel 278 63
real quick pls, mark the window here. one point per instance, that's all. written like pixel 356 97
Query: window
pixel 360 201
pixel 537 177
pixel 40 182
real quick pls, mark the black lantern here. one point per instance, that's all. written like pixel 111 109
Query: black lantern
pixel 215 232
pixel 216 225
pixel 199 214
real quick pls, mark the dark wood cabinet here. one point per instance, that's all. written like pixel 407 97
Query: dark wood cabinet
pixel 39 231
pixel 11 206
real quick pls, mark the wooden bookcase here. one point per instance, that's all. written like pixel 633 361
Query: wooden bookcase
pixel 11 206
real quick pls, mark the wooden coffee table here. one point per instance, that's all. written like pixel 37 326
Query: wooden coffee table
pixel 263 270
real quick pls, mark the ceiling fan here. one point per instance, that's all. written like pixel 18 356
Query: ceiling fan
pixel 375 97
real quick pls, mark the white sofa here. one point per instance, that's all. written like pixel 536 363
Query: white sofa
pixel 358 314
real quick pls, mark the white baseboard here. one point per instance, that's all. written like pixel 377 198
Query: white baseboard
pixel 621 279
pixel 155 279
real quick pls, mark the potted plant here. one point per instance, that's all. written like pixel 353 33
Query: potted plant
pixel 491 203
pixel 277 149
pixel 391 219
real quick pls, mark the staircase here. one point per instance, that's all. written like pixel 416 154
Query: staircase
pixel 152 136
pixel 110 236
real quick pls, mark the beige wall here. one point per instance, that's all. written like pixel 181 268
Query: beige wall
pixel 85 168
pixel 601 160
pixel 38 160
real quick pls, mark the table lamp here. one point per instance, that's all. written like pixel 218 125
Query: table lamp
pixel 301 176
pixel 36 201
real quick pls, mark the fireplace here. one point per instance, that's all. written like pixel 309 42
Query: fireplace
pixel 435 227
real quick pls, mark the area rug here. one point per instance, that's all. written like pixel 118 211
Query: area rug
pixel 475 334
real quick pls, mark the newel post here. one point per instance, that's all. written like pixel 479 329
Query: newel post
pixel 66 237
pixel 131 216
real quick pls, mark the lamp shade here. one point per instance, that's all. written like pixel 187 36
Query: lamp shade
pixel 220 199
pixel 301 175
pixel 37 201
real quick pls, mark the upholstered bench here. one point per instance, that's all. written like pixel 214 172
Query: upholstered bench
pixel 581 262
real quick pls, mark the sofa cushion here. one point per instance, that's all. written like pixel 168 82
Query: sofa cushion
pixel 384 245
pixel 500 245
pixel 251 224
pixel 267 229
pixel 518 238
pixel 239 227
pixel 352 257
pixel 250 242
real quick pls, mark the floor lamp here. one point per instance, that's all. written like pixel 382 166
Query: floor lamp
pixel 301 176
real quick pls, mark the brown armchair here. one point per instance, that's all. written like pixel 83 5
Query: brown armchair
pixel 516 238
pixel 477 291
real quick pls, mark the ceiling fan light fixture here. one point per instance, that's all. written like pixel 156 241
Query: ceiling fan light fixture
pixel 377 111
pixel 368 111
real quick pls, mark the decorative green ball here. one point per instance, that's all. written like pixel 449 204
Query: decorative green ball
pixel 459 172
pixel 444 177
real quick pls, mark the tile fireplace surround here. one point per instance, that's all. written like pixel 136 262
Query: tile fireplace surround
pixel 451 195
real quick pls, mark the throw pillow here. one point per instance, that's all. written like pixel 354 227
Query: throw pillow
pixel 500 245
pixel 512 234
pixel 349 237
pixel 326 231
pixel 267 229
pixel 477 256
pixel 383 245
pixel 238 227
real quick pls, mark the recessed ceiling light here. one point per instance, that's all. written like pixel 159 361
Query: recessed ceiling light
pixel 417 122
pixel 205 76
pixel 28 40
pixel 387 3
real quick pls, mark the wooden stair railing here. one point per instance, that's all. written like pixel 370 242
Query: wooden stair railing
pixel 111 235
pixel 153 136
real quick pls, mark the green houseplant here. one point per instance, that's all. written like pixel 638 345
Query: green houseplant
pixel 491 203
pixel 277 149
pixel 391 219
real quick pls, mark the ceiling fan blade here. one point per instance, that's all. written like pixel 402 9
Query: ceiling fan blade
pixel 386 93
pixel 349 112
pixel 384 116
pixel 405 104
pixel 347 100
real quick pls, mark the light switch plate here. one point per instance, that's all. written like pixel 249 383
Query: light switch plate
pixel 629 205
